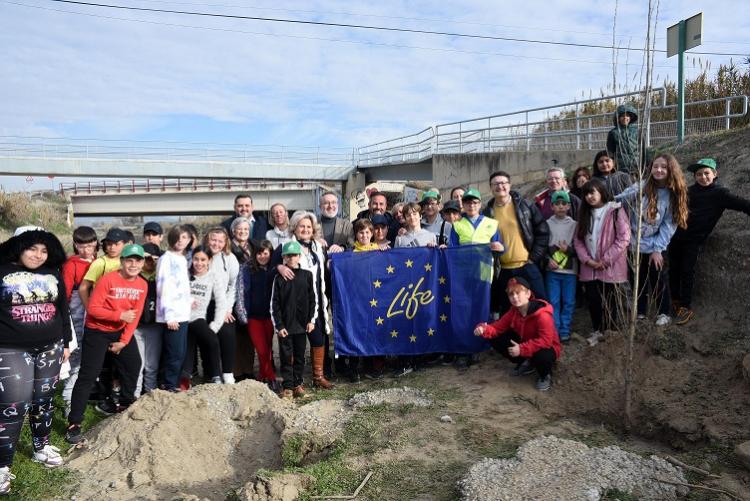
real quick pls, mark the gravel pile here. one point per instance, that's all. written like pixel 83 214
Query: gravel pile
pixel 392 396
pixel 554 468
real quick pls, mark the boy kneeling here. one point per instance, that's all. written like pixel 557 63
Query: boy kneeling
pixel 525 334
pixel 111 318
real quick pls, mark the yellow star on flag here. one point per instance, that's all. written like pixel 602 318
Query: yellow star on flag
pixel 443 317
pixel 394 333
pixel 447 299
pixel 409 263
pixel 380 320
pixel 413 338
pixel 373 302
pixel 390 269
pixel 430 332
pixel 441 280
pixel 377 284
pixel 428 267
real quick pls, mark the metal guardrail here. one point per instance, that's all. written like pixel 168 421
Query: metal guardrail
pixel 85 149
pixel 123 186
pixel 404 149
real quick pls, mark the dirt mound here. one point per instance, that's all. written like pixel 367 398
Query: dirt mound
pixel 554 468
pixel 203 443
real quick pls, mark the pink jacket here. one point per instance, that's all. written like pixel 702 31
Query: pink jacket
pixel 611 248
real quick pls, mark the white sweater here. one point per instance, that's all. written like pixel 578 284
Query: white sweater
pixel 173 301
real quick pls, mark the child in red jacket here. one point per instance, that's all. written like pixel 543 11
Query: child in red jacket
pixel 526 334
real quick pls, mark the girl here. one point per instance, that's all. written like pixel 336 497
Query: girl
pixel 34 336
pixel 205 288
pixel 604 168
pixel 581 176
pixel 662 209
pixel 173 304
pixel 600 242
pixel 253 310
pixel 225 266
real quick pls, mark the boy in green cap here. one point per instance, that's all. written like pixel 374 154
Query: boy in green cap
pixel 707 200
pixel 562 267
pixel 294 309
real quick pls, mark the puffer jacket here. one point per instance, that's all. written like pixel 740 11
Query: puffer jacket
pixel 610 249
pixel 534 229
pixel 537 328
pixel 622 142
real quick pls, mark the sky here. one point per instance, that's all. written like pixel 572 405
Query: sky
pixel 75 71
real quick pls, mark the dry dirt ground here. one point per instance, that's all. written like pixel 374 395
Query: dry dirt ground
pixel 691 402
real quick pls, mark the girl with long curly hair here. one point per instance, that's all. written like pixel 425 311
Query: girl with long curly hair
pixel 662 208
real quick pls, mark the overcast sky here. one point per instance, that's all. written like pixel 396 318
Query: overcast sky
pixel 87 75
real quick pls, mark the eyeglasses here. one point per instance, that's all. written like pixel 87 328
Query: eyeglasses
pixel 500 183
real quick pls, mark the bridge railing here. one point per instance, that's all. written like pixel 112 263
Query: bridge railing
pixel 13 146
pixel 125 186
pixel 405 149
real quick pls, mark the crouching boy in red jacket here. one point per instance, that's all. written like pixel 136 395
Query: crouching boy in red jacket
pixel 526 334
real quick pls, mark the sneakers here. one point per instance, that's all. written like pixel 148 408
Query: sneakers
pixel 544 383
pixel 49 456
pixel 662 320
pixel 565 338
pixel 375 375
pixel 216 380
pixel 523 369
pixel 5 477
pixel 287 394
pixel 403 371
pixel 447 359
pixel 594 338
pixel 641 316
pixel 228 378
pixel 683 315
pixel 73 434
pixel 184 383
pixel 109 408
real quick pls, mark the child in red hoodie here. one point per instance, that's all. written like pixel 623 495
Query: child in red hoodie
pixel 526 334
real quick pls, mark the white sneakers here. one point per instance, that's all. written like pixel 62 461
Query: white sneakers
pixel 5 477
pixel 49 456
pixel 662 320
pixel 228 378
pixel 594 338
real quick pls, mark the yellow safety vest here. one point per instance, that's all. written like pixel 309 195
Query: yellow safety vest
pixel 482 234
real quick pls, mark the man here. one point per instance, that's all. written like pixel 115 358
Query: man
pixel 525 234
pixel 337 231
pixel 153 233
pixel 379 205
pixel 432 220
pixel 555 180
pixel 457 194
pixel 243 207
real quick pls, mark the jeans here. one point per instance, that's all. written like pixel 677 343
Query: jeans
pixel 174 347
pixel 77 315
pixel 561 290
pixel 148 340
pixel 530 271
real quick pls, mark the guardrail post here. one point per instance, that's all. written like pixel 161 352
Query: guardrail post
pixel 590 137
pixel 460 138
pixel 578 130
pixel 727 112
pixel 546 140
pixel 528 137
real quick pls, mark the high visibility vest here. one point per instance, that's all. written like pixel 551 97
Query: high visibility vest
pixel 482 234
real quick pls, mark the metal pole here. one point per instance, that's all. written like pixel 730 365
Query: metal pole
pixel 681 84
pixel 727 112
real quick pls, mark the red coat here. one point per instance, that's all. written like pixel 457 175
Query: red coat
pixel 73 272
pixel 537 328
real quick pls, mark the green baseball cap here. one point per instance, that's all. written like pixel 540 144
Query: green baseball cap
pixel 702 164
pixel 132 250
pixel 291 247
pixel 429 194
pixel 560 195
pixel 471 193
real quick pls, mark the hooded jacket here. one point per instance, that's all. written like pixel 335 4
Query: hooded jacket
pixel 537 328
pixel 534 229
pixel 610 248
pixel 622 142
pixel 706 204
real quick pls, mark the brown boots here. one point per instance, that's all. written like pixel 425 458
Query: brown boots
pixel 319 380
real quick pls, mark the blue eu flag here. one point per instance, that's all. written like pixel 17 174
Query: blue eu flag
pixel 409 301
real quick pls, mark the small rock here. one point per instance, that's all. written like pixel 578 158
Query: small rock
pixel 446 419
pixel 113 484
pixel 746 367
pixel 743 452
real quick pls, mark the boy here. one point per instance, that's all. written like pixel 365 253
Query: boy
pixel 112 244
pixel 622 140
pixel 562 266
pixel 415 236
pixel 380 228
pixel 525 334
pixel 148 333
pixel 707 200
pixel 153 233
pixel 112 315
pixel 294 307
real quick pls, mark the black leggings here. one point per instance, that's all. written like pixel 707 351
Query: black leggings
pixel 28 379
pixel 201 335
pixel 542 360
pixel 607 304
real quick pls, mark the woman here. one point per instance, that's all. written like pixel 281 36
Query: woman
pixel 581 176
pixel 34 337
pixel 305 230
pixel 279 234
pixel 225 266
pixel 241 244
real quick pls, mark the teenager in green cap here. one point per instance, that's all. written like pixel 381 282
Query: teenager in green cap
pixel 707 200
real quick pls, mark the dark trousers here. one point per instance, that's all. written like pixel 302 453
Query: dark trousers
pixel 95 346
pixel 227 337
pixel 292 355
pixel 173 349
pixel 683 257
pixel 29 381
pixel 200 335
pixel 542 360
pixel 499 298
pixel 607 304
pixel 653 285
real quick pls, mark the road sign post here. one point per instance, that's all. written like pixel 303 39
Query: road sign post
pixel 680 37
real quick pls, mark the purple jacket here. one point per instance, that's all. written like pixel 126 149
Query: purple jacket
pixel 611 248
